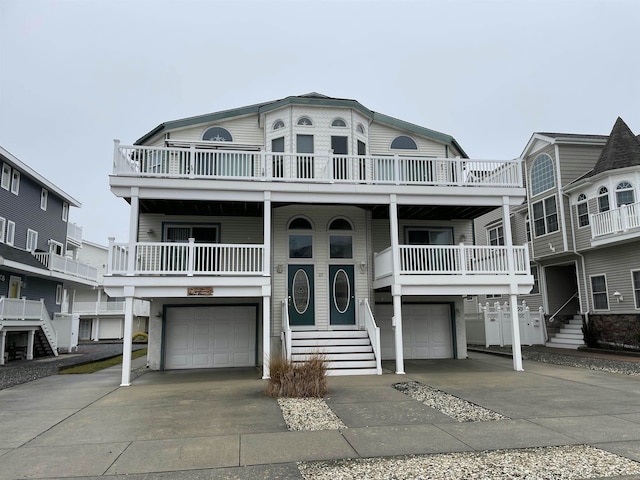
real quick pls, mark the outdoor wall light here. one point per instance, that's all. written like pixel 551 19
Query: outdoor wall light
pixel 618 296
pixel 363 267
pixel 280 268
pixel 150 231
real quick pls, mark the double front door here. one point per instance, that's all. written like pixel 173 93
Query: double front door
pixel 302 295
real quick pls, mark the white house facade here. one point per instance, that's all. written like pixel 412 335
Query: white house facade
pixel 303 224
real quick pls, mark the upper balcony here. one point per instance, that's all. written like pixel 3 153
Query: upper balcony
pixel 74 234
pixel 69 266
pixel 195 162
pixel 615 225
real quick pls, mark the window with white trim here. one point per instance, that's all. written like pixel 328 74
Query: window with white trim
pixel 65 211
pixel 527 226
pixel 11 232
pixel 491 296
pixel 44 198
pixel 15 182
pixel 360 129
pixel 495 235
pixel 58 294
pixel 635 280
pixel 3 226
pixel 338 122
pixel 305 122
pixel 6 176
pixel 32 240
pixel 545 216
pixel 583 210
pixel 624 194
pixel 599 292
pixel 403 142
pixel 217 134
pixel 603 199
pixel 300 245
pixel 56 247
pixel 278 124
pixel 536 280
pixel 543 177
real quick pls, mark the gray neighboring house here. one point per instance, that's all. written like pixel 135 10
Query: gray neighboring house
pixel 581 220
pixel 37 265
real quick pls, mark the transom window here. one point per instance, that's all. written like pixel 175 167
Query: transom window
pixel 278 125
pixel 338 122
pixel 542 175
pixel 305 121
pixel 360 128
pixel 545 216
pixel 404 143
pixel 603 199
pixel 635 278
pixel 217 134
pixel 624 194
pixel 583 210
pixel 300 223
pixel 340 224
pixel 599 292
pixel 495 235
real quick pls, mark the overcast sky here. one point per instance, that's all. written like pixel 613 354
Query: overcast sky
pixel 75 74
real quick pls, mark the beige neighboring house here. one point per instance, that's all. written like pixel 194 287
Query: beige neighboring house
pixel 102 317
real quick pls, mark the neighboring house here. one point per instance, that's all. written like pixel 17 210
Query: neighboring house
pixel 303 224
pixel 36 268
pixel 102 317
pixel 582 222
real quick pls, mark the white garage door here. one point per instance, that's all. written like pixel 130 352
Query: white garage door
pixel 426 331
pixel 210 337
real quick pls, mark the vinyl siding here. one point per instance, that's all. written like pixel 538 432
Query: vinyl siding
pixel 576 160
pixel 380 137
pixel 583 234
pixel 244 130
pixel 37 288
pixel 94 256
pixel 381 238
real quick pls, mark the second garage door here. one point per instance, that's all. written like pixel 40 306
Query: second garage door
pixel 210 337
pixel 426 331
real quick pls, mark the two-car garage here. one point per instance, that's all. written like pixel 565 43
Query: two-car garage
pixel 210 337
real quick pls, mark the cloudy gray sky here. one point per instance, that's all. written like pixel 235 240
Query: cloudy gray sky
pixel 76 74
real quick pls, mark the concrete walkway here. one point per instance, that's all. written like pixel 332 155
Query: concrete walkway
pixel 217 424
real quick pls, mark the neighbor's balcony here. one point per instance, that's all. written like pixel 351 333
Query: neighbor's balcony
pixel 58 263
pixel 259 165
pixel 99 308
pixel 618 220
pixel 190 259
pixel 74 234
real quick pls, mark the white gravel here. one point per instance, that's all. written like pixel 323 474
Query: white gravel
pixel 454 407
pixel 547 463
pixel 309 414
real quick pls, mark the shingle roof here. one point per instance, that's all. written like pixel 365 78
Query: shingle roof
pixel 19 256
pixel 621 150
pixel 572 135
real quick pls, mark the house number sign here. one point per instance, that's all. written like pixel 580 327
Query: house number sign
pixel 199 291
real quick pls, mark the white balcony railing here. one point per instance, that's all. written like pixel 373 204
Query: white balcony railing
pixel 74 233
pixel 453 260
pixel 621 219
pixel 163 258
pixel 58 263
pixel 252 165
pixel 21 309
pixel 98 308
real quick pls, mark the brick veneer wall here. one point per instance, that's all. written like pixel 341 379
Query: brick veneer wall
pixel 617 330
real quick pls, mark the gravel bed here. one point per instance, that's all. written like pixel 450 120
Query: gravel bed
pixel 546 463
pixel 454 407
pixel 309 414
pixel 15 373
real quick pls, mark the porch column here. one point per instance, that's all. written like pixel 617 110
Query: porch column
pixel 95 330
pixel 3 341
pixel 513 297
pixel 127 341
pixel 396 290
pixel 266 331
pixel 397 325
pixel 30 337
pixel 133 230
pixel 266 235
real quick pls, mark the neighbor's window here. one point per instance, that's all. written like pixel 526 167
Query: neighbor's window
pixel 599 292
pixel 65 211
pixel 542 176
pixel 624 194
pixel 635 277
pixel 495 235
pixel 536 280
pixel 58 294
pixel 217 134
pixel 6 176
pixel 603 199
pixel 3 224
pixel 11 232
pixel 545 216
pixel 44 197
pixel 32 240
pixel 404 143
pixel 15 182
pixel 583 210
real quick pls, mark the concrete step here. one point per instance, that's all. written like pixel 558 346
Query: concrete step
pixel 314 342
pixel 352 371
pixel 570 340
pixel 563 335
pixel 329 334
pixel 335 357
pixel 575 322
pixel 351 364
pixel 332 349
pixel 569 346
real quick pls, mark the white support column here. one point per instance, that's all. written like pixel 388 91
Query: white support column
pixel 513 297
pixel 95 330
pixel 397 326
pixel 515 333
pixel 3 341
pixel 30 338
pixel 266 235
pixel 133 230
pixel 396 290
pixel 127 341
pixel 266 332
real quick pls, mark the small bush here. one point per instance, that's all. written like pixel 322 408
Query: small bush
pixel 590 334
pixel 297 380
pixel 140 337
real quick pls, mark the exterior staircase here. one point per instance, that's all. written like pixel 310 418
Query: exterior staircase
pixel 348 352
pixel 569 336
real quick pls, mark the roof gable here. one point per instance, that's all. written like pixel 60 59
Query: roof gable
pixel 621 150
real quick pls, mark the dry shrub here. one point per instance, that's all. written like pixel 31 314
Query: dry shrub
pixel 299 379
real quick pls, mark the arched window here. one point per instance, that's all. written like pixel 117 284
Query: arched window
pixel 278 124
pixel 305 121
pixel 300 223
pixel 340 224
pixel 404 143
pixel 624 194
pixel 603 199
pixel 338 122
pixel 217 134
pixel 360 128
pixel 583 210
pixel 542 175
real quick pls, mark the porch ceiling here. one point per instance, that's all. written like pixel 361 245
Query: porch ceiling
pixel 431 212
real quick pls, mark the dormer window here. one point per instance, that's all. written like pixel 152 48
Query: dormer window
pixel 305 122
pixel 278 125
pixel 624 194
pixel 404 143
pixel 338 122
pixel 217 134
pixel 603 199
pixel 542 176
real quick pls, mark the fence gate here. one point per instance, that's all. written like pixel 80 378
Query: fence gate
pixel 497 324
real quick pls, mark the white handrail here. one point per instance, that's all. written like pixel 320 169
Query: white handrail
pixel 553 317
pixel 286 331
pixel 373 330
pixel 21 309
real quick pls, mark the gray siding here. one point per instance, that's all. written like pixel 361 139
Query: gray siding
pixel 34 289
pixel 583 234
pixel 576 160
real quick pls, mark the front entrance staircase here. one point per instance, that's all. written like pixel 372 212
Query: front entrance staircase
pixel 569 335
pixel 348 352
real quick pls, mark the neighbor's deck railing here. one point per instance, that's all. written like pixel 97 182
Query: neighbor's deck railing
pixel 21 309
pixel 621 219
pixel 98 307
pixel 453 260
pixel 261 165
pixel 162 258
pixel 58 263
pixel 74 233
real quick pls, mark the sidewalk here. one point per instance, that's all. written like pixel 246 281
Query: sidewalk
pixel 217 423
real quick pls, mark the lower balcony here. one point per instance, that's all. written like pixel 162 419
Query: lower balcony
pixel 69 266
pixel 454 269
pixel 621 221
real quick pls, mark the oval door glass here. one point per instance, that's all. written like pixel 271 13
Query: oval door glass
pixel 301 291
pixel 341 291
